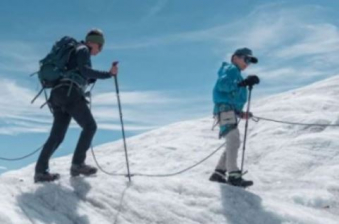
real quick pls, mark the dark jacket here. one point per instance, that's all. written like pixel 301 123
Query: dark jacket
pixel 80 63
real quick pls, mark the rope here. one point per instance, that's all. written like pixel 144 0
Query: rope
pixel 92 150
pixel 257 119
pixel 182 171
pixel 254 118
pixel 158 175
pixel 101 169
pixel 23 157
pixel 150 175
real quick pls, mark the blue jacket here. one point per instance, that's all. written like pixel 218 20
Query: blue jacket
pixel 226 91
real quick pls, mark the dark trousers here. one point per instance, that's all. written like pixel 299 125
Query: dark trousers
pixel 67 103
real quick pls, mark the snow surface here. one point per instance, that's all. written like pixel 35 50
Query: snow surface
pixel 295 170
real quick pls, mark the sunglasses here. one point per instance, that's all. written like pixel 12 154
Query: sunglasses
pixel 247 60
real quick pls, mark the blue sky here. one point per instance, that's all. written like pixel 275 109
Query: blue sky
pixel 169 52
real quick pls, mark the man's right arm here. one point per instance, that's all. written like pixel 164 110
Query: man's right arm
pixel 84 65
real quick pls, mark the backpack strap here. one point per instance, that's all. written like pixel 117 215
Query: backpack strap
pixel 35 73
pixel 47 102
pixel 39 93
pixel 43 89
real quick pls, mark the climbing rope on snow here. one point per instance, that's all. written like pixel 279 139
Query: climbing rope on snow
pixel 100 167
pixel 257 119
pixel 23 157
pixel 184 170
pixel 158 175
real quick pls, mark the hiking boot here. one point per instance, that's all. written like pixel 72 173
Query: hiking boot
pixel 46 177
pixel 235 179
pixel 83 169
pixel 219 176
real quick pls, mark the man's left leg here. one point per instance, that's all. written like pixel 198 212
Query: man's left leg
pixel 232 147
pixel 83 116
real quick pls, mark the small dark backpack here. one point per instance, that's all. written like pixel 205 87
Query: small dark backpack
pixel 54 65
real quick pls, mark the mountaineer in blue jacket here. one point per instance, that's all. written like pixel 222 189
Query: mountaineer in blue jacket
pixel 230 96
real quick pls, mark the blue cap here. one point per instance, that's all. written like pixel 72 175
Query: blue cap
pixel 246 52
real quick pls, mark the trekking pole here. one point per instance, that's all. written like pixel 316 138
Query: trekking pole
pixel 121 121
pixel 246 127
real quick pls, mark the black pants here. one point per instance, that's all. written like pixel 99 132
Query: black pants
pixel 68 103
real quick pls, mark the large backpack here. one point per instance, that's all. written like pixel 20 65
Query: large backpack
pixel 54 66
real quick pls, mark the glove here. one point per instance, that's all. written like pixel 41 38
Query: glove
pixel 114 69
pixel 251 80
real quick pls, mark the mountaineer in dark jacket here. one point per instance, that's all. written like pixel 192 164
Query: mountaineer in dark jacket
pixel 68 101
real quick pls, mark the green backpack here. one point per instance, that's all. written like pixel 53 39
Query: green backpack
pixel 54 66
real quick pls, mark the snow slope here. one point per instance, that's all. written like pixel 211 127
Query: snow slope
pixel 295 169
